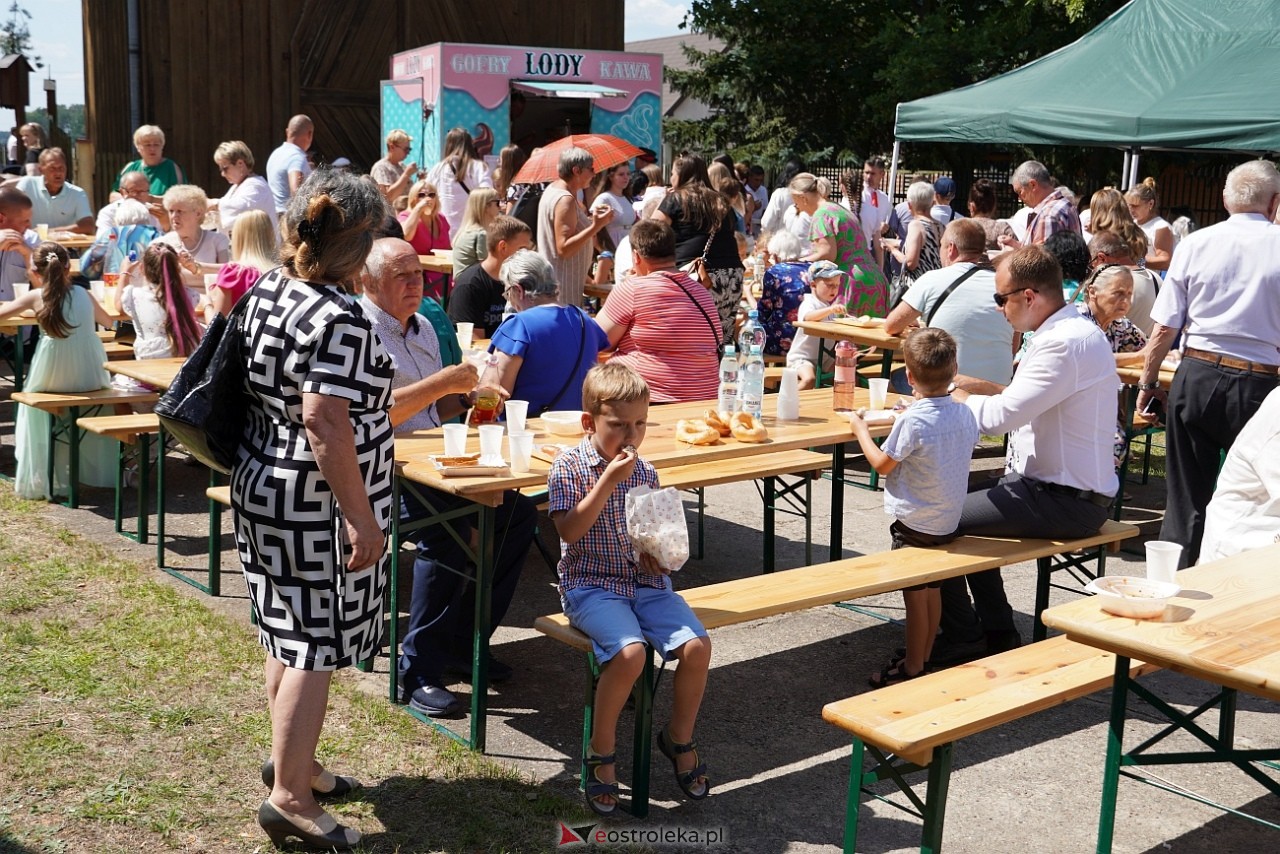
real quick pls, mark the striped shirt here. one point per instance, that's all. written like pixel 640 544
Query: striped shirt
pixel 671 331
pixel 604 557
pixel 1054 213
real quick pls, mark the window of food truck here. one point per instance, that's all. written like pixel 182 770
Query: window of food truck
pixel 539 120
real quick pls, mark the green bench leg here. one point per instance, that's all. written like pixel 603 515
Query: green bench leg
pixel 118 505
pixel 642 753
pixel 935 804
pixel 144 479
pixel 854 801
pixel 932 810
pixel 770 519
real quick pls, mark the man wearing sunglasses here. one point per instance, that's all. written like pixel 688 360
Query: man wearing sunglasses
pixel 1060 479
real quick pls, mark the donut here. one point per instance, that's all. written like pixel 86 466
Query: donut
pixel 696 431
pixel 747 428
pixel 719 421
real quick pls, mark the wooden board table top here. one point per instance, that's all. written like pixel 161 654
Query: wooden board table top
pixel 436 263
pixel 1223 627
pixel 71 240
pixel 1132 375
pixel 845 330
pixel 817 425
pixel 153 372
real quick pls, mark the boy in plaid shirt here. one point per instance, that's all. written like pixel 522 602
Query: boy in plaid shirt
pixel 619 597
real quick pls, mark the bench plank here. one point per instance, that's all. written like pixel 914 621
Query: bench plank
pixel 220 494
pixel 56 401
pixel 744 599
pixel 122 428
pixel 743 468
pixel 911 718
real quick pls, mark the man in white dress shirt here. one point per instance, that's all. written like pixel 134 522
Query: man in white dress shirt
pixel 1223 292
pixel 1245 511
pixel 1059 412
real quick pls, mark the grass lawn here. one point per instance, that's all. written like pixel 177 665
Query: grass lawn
pixel 132 718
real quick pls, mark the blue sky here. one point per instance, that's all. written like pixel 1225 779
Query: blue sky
pixel 56 36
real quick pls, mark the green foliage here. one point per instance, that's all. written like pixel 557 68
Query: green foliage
pixel 70 118
pixel 15 35
pixel 822 78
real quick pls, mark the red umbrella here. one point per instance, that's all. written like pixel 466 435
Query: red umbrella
pixel 606 151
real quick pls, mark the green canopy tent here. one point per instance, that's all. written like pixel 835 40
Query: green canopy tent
pixel 1170 74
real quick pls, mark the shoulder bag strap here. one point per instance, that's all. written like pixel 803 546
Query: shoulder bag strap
pixel 573 369
pixel 715 328
pixel 928 321
pixel 461 183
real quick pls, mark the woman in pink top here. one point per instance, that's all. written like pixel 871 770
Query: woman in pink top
pixel 253 252
pixel 663 324
pixel 426 228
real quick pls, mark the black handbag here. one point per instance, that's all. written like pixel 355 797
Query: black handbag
pixel 206 405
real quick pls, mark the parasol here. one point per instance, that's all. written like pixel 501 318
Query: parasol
pixel 605 150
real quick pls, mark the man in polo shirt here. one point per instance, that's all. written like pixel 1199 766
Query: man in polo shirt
pixel 477 296
pixel 442 608
pixel 16 240
pixel 1223 291
pixel 55 202
pixel 984 341
pixel 1060 478
pixel 288 167
pixel 1051 211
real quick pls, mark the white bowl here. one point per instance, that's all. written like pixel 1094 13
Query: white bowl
pixel 1127 596
pixel 563 422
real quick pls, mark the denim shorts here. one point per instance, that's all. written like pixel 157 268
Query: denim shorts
pixel 659 616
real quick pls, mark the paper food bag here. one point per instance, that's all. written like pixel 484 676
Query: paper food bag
pixel 655 523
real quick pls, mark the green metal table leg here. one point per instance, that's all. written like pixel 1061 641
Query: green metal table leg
pixel 119 502
pixel 144 481
pixel 215 559
pixel 935 806
pixel 808 520
pixel 643 741
pixel 73 440
pixel 1115 751
pixel 1044 571
pixel 770 516
pixel 588 713
pixel 160 455
pixel 702 519
pixel 837 501
pixel 19 358
pixel 480 642
pixel 854 800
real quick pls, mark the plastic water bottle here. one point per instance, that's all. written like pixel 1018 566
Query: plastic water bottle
pixel 751 335
pixel 846 379
pixel 728 398
pixel 753 383
pixel 485 410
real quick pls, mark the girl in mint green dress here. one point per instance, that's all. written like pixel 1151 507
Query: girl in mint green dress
pixel 69 358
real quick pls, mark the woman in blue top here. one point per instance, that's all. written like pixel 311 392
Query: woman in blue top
pixel 545 349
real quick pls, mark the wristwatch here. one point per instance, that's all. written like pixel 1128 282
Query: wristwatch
pixel 1148 386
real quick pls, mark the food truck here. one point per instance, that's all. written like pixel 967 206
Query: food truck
pixel 527 95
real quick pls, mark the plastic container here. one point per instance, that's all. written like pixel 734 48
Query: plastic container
pixel 752 390
pixel 1126 596
pixel 563 422
pixel 487 397
pixel 846 378
pixel 727 400
pixel 751 335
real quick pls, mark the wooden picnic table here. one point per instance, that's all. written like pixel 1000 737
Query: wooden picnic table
pixel 818 425
pixel 1220 629
pixel 16 325
pixel 70 239
pixel 154 372
pixel 440 261
pixel 847 329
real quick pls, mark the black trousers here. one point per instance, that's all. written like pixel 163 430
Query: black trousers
pixel 1009 507
pixel 1208 407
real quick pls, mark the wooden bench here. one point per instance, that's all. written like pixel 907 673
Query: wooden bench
pixel 117 352
pixel 744 599
pixel 64 411
pixel 134 433
pixel 913 726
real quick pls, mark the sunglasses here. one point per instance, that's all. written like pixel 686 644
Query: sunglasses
pixel 426 195
pixel 1001 299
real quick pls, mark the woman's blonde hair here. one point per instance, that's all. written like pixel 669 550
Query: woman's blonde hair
pixel 253 240
pixel 233 151
pixel 423 185
pixel 187 195
pixel 1144 192
pixel 1108 212
pixel 474 216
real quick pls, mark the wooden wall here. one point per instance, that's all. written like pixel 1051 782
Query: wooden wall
pixel 214 70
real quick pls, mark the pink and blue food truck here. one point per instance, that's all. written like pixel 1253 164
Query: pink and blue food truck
pixel 527 95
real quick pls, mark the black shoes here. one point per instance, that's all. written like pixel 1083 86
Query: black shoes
pixel 435 702
pixel 323 832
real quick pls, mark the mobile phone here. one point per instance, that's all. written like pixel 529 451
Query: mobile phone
pixel 1154 409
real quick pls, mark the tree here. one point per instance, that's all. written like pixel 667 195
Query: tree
pixel 822 78
pixel 70 118
pixel 15 35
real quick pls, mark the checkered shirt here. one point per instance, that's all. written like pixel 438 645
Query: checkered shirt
pixel 1053 214
pixel 604 557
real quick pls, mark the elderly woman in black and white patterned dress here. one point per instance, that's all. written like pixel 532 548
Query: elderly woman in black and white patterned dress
pixel 311 488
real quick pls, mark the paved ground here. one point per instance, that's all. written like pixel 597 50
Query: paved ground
pixel 781 773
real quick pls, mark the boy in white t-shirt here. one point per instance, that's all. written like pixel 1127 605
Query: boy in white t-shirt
pixel 824 280
pixel 925 463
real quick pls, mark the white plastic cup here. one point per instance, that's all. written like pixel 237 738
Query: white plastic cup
pixel 879 391
pixel 99 289
pixel 521 442
pixel 20 289
pixel 42 231
pixel 789 395
pixel 465 333
pixel 1162 560
pixel 490 440
pixel 455 440
pixel 517 411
